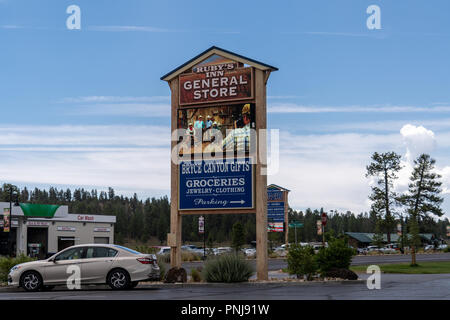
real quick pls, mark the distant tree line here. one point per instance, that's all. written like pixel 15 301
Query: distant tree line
pixel 141 220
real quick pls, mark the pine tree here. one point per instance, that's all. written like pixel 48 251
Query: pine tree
pixel 237 236
pixel 422 198
pixel 384 167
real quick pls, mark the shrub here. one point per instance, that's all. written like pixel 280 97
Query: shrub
pixel 6 263
pixel 195 275
pixel 301 261
pixel 336 255
pixel 341 273
pixel 189 256
pixel 146 249
pixel 227 268
pixel 273 255
pixel 164 258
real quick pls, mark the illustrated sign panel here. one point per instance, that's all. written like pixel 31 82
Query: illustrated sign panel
pixel 216 184
pixel 232 122
pixel 275 227
pixel 6 220
pixel 214 80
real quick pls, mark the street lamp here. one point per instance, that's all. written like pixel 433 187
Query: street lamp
pixel 402 236
pixel 16 204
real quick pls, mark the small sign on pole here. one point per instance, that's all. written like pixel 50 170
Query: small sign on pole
pixel 201 225
pixel 319 227
pixel 6 220
pixel 324 219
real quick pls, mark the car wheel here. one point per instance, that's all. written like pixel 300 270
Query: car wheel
pixel 118 279
pixel 31 281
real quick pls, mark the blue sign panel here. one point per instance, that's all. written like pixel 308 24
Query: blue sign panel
pixel 216 184
pixel 275 211
pixel 274 195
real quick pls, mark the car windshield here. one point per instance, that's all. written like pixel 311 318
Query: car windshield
pixel 127 249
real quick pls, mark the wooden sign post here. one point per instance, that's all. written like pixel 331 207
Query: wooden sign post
pixel 219 97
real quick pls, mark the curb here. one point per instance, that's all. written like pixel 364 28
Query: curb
pixel 252 283
pixel 218 284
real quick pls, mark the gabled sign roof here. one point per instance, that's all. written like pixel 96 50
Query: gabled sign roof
pixel 219 51
pixel 277 187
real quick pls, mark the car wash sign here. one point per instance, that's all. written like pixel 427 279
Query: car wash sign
pixel 216 79
pixel 216 184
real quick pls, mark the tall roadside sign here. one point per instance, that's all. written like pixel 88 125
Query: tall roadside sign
pixel 277 210
pixel 219 156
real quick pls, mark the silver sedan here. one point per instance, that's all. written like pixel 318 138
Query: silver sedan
pixel 117 266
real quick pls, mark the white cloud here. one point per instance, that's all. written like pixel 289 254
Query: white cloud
pixel 417 140
pixel 84 135
pixel 113 99
pixel 320 170
pixel 153 106
pixel 295 108
pixel 124 157
pixel 124 109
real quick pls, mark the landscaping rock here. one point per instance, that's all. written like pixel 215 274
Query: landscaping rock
pixel 176 275
pixel 341 274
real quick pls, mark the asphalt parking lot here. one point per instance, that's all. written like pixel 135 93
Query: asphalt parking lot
pixel 393 287
pixel 277 264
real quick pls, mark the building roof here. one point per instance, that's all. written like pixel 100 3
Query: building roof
pixel 365 237
pixel 219 51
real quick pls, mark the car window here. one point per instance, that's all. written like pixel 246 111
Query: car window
pixel 127 249
pixel 71 254
pixel 100 252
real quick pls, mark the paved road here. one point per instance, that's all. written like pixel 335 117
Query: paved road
pixel 393 287
pixel 277 264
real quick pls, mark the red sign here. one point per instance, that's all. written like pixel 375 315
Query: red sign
pixel 201 225
pixel 324 218
pixel 214 86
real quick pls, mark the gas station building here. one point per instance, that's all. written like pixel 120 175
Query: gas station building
pixel 42 237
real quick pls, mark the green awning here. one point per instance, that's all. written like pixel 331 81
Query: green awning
pixel 33 210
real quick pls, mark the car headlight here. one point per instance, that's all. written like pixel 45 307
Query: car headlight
pixel 15 268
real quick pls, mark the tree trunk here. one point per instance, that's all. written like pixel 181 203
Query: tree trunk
pixel 388 213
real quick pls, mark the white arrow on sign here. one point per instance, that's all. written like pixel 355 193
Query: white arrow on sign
pixel 239 201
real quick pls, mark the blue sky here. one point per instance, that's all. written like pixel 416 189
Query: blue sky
pixel 87 108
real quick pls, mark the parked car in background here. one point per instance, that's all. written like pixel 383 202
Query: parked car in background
pixel 250 252
pixel 387 250
pixel 163 250
pixel 442 246
pixel 429 247
pixel 373 249
pixel 222 250
pixel 280 251
pixel 362 250
pixel 117 266
pixel 189 247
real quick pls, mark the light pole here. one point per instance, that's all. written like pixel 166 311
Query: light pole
pixel 16 203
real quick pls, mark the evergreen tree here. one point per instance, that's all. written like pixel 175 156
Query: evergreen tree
pixel 238 236
pixel 422 198
pixel 384 168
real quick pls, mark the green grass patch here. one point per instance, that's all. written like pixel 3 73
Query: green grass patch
pixel 406 268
